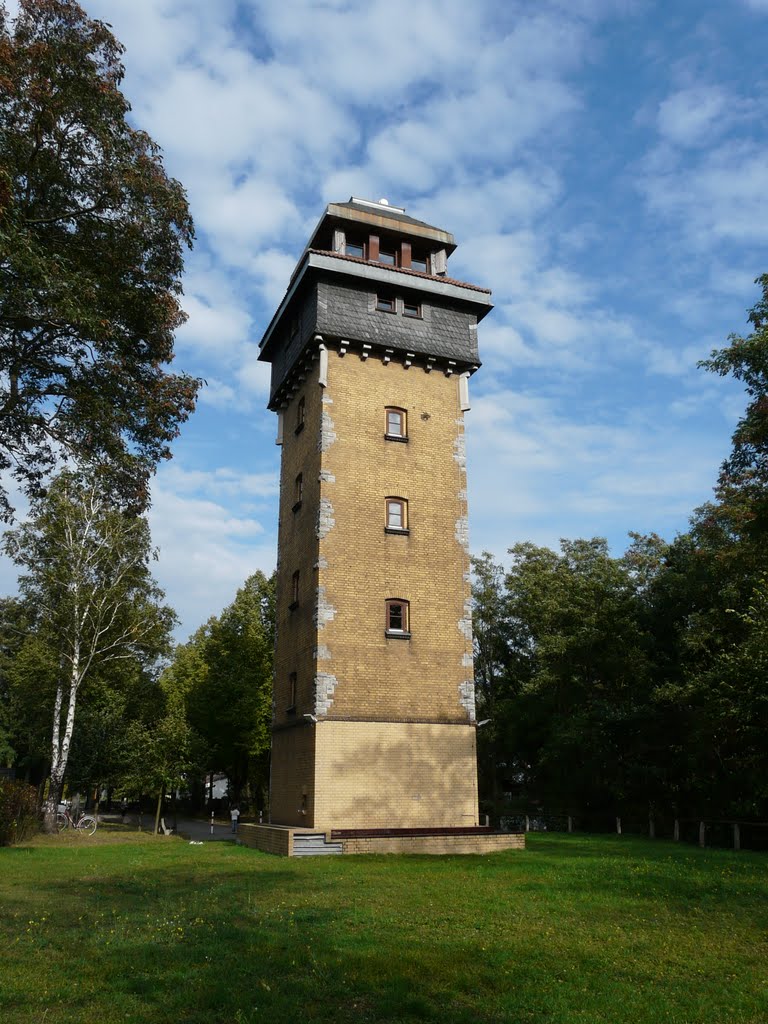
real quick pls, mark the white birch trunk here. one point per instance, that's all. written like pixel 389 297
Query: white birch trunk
pixel 60 744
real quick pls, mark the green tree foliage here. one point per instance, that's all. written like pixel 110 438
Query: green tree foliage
pixel 746 359
pixel 92 232
pixel 157 757
pixel 586 672
pixel 18 811
pixel 225 676
pixel 29 675
pixel 116 694
pixel 641 680
pixel 497 679
pixel 11 617
pixel 89 593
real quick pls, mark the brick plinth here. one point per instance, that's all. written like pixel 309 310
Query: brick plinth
pixel 450 844
pixel 278 839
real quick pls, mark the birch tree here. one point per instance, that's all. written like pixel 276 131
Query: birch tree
pixel 87 582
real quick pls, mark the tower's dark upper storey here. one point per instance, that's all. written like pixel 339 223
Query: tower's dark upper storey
pixel 373 278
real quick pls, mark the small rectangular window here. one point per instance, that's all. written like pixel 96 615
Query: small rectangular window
pixel 385 304
pixel 397 618
pixel 355 249
pixel 396 515
pixel 294 591
pixel 411 309
pixel 292 678
pixel 300 414
pixel 387 257
pixel 396 424
pixel 419 262
pixel 298 492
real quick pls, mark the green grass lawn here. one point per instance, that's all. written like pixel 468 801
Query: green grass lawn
pixel 124 927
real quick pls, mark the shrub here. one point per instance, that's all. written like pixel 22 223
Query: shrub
pixel 18 811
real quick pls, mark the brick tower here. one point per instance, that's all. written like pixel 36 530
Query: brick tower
pixel 371 351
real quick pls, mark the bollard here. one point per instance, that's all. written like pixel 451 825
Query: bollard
pixel 211 822
pixel 702 834
pixel 676 831
pixel 570 823
pixel 652 828
pixel 736 836
pixel 618 826
pixel 527 823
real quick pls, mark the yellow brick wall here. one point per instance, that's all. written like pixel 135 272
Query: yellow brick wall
pixel 444 845
pixel 401 752
pixel 297 549
pixel 394 775
pixel 418 679
pixel 269 840
pixel 292 766
pixel 292 781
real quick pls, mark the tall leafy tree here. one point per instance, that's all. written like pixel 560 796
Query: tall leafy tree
pixel 497 676
pixel 92 234
pixel 225 671
pixel 86 580
pixel 29 676
pixel 157 756
pixel 746 359
pixel 579 642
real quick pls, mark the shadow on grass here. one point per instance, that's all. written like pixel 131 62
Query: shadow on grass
pixel 166 932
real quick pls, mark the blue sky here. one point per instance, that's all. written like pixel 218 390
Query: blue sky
pixel 604 167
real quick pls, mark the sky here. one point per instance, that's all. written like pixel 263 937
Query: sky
pixel 603 165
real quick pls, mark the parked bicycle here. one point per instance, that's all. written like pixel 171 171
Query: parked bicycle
pixel 84 823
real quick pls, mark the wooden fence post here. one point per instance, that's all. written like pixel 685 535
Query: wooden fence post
pixel 527 823
pixel 676 831
pixel 702 834
pixel 736 836
pixel 618 826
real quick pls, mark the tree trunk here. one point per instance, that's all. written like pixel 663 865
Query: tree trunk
pixel 160 796
pixel 60 743
pixel 51 804
pixel 54 785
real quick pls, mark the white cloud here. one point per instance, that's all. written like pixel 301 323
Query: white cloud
pixel 253 375
pixel 693 116
pixel 723 197
pixel 218 394
pixel 272 269
pixel 214 528
pixel 603 472
pixel 212 326
pixel 513 126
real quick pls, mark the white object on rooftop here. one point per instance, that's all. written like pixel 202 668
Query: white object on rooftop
pixel 381 202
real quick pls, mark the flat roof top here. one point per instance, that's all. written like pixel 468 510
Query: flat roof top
pixel 384 216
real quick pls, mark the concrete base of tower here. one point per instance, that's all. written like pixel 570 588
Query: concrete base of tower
pixel 303 842
pixel 338 775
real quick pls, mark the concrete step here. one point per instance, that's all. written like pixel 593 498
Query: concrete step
pixel 314 845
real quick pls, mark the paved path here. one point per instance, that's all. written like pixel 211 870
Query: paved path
pixel 191 828
pixel 200 831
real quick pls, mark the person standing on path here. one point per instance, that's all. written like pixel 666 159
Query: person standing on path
pixel 234 815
